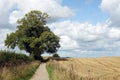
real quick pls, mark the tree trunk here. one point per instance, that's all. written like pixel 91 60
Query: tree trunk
pixel 36 57
pixel 39 57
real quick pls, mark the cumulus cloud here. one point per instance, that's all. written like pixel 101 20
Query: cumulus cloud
pixel 3 36
pixel 15 9
pixel 79 37
pixel 114 33
pixel 113 8
pixel 65 43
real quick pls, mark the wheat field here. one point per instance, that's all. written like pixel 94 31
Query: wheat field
pixel 86 69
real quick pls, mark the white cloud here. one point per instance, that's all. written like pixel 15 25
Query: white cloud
pixel 77 36
pixel 17 8
pixel 14 16
pixel 3 37
pixel 76 30
pixel 68 43
pixel 113 8
pixel 114 33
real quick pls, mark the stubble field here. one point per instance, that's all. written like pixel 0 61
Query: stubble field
pixel 85 69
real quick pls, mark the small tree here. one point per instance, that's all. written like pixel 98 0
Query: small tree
pixel 56 55
pixel 33 36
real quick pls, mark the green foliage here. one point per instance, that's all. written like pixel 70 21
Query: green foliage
pixel 33 36
pixel 56 55
pixel 12 57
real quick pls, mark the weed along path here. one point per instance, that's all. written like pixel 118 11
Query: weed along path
pixel 41 73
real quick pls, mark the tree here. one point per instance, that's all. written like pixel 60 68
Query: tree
pixel 56 55
pixel 33 36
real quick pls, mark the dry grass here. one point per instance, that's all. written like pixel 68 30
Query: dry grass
pixel 86 69
pixel 19 72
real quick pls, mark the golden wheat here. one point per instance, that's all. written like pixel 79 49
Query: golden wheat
pixel 87 69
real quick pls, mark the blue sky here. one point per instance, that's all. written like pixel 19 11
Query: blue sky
pixel 86 10
pixel 87 28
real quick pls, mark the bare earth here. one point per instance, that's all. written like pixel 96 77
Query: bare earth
pixel 41 73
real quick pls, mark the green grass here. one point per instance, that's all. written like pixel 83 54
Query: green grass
pixel 50 70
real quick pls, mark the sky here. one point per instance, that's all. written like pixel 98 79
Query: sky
pixel 87 28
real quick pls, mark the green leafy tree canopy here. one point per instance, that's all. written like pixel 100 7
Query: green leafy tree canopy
pixel 33 36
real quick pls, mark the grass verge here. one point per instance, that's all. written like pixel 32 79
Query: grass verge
pixel 16 66
pixel 23 71
pixel 50 70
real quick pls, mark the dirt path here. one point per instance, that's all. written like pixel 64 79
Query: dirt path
pixel 41 73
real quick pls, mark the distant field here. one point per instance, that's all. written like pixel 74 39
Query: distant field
pixel 85 69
